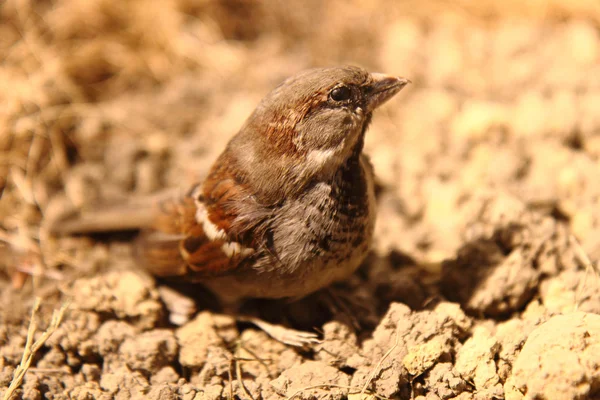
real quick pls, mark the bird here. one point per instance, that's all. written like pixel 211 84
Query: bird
pixel 288 207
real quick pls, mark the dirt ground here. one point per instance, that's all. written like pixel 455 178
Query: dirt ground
pixel 481 283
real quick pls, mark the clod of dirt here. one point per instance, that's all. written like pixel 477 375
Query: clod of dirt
pixel 406 344
pixel 485 280
pixel 444 381
pixel 76 331
pixel 511 335
pixel 475 362
pixel 200 334
pixel 110 336
pixel 124 383
pixel 571 290
pixel 6 375
pixel 206 392
pixel 38 387
pixel 559 360
pixel 339 344
pixel 301 379
pixel 162 392
pixel 497 271
pixel 89 390
pixel 150 351
pixel 165 375
pixel 30 390
pixel 90 372
pixel 422 357
pixel 127 294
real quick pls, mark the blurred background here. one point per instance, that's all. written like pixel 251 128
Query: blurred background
pixel 104 98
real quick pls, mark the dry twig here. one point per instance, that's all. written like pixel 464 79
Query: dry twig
pixel 32 347
pixel 378 366
pixel 328 385
pixel 583 258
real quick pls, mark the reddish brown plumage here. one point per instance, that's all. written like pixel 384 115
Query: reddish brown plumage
pixel 178 237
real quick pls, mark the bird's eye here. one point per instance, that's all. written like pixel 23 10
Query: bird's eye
pixel 340 93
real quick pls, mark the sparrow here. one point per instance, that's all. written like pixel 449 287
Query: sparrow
pixel 287 208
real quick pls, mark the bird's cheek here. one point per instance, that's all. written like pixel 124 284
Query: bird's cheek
pixel 328 129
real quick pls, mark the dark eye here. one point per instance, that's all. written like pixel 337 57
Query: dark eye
pixel 340 93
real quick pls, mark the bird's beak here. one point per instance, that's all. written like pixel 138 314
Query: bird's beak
pixel 382 88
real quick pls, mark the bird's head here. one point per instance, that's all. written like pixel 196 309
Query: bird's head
pixel 309 126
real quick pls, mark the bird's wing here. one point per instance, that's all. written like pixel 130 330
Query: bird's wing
pixel 209 232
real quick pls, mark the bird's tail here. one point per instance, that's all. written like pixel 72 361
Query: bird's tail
pixel 158 218
pixel 104 219
pixel 134 214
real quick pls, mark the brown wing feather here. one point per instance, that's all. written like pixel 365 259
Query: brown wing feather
pixel 178 246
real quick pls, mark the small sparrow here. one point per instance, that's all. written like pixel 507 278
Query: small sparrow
pixel 287 208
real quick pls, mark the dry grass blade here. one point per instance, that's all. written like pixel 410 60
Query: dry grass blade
pixel 583 258
pixel 230 376
pixel 378 366
pixel 32 347
pixel 238 377
pixel 262 361
pixel 326 385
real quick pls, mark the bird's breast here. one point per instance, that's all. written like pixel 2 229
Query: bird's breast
pixel 324 235
pixel 314 240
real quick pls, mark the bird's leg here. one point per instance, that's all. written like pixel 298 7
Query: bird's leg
pixel 248 312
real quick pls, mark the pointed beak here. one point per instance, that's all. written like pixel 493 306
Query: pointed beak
pixel 382 88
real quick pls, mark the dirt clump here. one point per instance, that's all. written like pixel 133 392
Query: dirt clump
pixel 559 360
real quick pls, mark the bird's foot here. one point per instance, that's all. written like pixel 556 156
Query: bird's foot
pixel 284 335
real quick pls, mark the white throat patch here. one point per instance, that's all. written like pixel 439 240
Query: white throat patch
pixel 318 158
